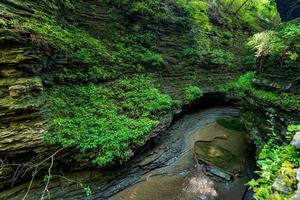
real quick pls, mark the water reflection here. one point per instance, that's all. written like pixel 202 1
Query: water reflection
pixel 185 180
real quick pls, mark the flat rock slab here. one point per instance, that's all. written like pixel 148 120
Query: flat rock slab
pixel 214 155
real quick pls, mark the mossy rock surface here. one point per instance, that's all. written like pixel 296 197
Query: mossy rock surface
pixel 215 156
pixel 231 123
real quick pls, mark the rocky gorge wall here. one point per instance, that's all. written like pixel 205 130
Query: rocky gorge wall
pixel 30 66
pixel 60 45
pixel 288 9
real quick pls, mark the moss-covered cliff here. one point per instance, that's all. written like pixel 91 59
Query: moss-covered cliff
pixel 91 81
pixel 271 109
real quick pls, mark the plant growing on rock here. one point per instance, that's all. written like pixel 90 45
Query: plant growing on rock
pixel 191 93
pixel 109 122
pixel 220 57
pixel 276 172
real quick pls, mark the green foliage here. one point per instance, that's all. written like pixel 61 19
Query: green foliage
pixel 220 57
pixel 136 50
pixel 145 8
pixel 191 93
pixel 77 44
pixel 68 4
pixel 291 130
pixel 69 39
pixel 244 86
pixel 275 162
pixel 88 191
pixel 279 46
pixel 254 13
pixel 133 51
pixel 244 82
pixel 110 122
pixel 197 11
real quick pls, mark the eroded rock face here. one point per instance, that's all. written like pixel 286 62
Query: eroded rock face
pixel 27 71
pixel 288 9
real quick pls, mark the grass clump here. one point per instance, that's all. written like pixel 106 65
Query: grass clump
pixel 109 121
pixel 191 93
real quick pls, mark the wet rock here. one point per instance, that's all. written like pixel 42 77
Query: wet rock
pixel 296 140
pixel 297 195
pixel 219 173
pixel 281 186
pixel 214 155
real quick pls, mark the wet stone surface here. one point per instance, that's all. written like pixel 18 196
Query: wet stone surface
pixel 165 168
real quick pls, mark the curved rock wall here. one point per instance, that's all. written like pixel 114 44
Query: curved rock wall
pixel 27 70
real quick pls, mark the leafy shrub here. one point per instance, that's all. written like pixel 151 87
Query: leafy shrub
pixel 191 93
pixel 220 57
pixel 291 130
pixel 244 85
pixel 197 10
pixel 253 13
pixel 275 162
pixel 278 46
pixel 108 121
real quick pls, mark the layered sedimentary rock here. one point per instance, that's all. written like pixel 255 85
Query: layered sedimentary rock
pixel 28 68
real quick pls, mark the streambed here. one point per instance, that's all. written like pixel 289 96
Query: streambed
pixel 166 168
pixel 186 179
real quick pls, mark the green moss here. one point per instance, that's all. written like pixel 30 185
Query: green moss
pixel 191 93
pixel 69 39
pixel 111 121
pixel 97 60
pixel 231 123
pixel 243 86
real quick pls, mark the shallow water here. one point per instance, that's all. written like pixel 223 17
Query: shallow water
pixel 164 169
pixel 185 179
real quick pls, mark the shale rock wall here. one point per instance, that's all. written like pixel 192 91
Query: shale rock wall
pixel 28 68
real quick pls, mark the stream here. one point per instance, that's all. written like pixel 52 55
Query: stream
pixel 167 167
pixel 184 178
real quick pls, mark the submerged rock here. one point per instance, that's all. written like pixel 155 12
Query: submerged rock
pixel 214 155
pixel 218 172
